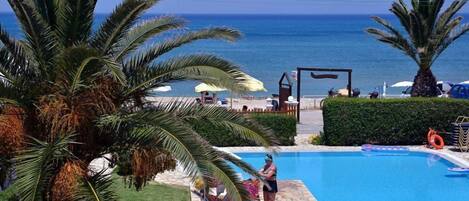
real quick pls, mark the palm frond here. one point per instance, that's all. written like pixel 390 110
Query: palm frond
pixel 454 35
pixel 47 10
pixel 7 66
pixel 111 67
pixel 395 41
pixel 120 20
pixel 448 14
pixel 171 134
pixel 144 31
pixel 80 66
pixel 36 166
pixel 142 59
pixel 394 37
pixel 226 175
pixel 207 68
pixel 40 38
pixel 97 187
pixel 14 47
pixel 236 123
pixel 401 11
pixel 75 19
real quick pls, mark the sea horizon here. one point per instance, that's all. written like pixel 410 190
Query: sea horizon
pixel 277 43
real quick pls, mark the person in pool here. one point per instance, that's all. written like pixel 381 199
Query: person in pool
pixel 269 172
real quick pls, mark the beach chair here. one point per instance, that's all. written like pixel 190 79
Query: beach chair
pixel 460 134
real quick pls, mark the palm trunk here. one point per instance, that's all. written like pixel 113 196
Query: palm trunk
pixel 424 84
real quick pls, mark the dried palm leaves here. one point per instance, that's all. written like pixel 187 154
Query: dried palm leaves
pixel 67 180
pixel 146 163
pixel 11 131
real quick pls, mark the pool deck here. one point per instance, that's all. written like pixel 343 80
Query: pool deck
pixel 293 189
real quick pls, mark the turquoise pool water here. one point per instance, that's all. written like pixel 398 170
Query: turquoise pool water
pixel 353 176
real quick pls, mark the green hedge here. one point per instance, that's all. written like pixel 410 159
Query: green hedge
pixel 388 121
pixel 284 128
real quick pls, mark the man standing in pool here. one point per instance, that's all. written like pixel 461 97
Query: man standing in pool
pixel 269 172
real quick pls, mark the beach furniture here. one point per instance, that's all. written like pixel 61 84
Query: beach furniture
pixel 460 134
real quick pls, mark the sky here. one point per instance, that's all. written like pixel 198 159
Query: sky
pixel 256 6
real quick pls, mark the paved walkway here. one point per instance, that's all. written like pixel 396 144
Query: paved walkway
pixel 310 122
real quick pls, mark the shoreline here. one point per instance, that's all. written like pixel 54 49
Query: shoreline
pixel 238 103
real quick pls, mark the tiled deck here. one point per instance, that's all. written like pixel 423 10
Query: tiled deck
pixel 293 190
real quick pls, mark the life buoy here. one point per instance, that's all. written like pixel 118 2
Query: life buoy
pixel 435 140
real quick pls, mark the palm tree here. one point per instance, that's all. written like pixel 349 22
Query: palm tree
pixel 71 94
pixel 429 33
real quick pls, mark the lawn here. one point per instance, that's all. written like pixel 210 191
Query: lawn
pixel 151 192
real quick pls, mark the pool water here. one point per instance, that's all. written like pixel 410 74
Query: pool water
pixel 354 176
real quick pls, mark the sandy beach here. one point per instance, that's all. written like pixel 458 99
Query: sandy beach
pixel 238 103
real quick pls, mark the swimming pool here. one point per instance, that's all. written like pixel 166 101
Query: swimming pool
pixel 353 176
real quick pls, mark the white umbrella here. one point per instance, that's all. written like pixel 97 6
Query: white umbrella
pixel 465 82
pixel 252 84
pixel 445 85
pixel 162 89
pixel 206 87
pixel 249 83
pixel 403 84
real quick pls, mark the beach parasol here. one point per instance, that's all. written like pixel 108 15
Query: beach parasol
pixel 248 83
pixel 252 84
pixel 403 84
pixel 445 85
pixel 208 87
pixel 343 92
pixel 162 89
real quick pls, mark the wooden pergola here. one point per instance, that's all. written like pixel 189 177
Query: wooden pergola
pixel 320 76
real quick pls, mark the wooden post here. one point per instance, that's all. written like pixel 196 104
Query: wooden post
pixel 298 93
pixel 349 85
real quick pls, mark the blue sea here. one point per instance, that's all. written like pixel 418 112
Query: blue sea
pixel 273 44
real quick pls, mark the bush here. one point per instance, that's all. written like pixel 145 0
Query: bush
pixel 283 127
pixel 9 194
pixel 388 121
pixel 315 140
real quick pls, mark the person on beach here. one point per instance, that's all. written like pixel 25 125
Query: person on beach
pixel 269 172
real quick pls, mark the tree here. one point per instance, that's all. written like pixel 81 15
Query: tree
pixel 70 94
pixel 429 33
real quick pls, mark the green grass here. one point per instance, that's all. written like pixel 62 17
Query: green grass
pixel 7 194
pixel 151 192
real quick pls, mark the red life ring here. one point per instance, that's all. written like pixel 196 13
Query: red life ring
pixel 437 141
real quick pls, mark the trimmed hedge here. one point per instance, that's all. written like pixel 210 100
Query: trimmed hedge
pixel 283 127
pixel 388 121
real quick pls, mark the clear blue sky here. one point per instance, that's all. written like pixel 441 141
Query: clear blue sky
pixel 256 6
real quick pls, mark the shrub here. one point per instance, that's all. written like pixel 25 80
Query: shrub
pixel 315 140
pixel 388 121
pixel 9 194
pixel 283 127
